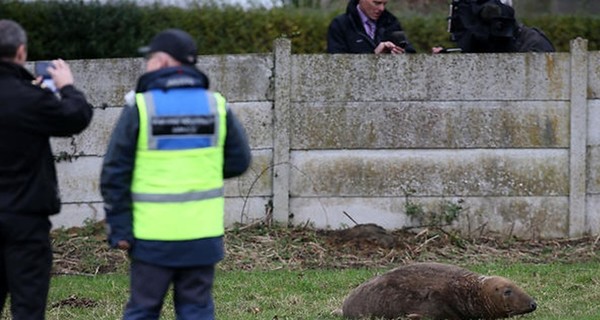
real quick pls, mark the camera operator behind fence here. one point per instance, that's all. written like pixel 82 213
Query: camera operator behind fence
pixel 481 26
pixel 367 27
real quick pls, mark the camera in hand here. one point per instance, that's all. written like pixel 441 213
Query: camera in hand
pixel 41 70
pixel 399 39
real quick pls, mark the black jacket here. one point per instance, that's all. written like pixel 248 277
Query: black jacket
pixel 117 174
pixel 530 39
pixel 346 33
pixel 29 116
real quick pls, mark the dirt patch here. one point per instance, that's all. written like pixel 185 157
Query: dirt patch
pixel 75 302
pixel 262 247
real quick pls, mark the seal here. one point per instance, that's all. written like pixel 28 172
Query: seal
pixel 436 291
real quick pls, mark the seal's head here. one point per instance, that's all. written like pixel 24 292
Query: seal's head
pixel 503 298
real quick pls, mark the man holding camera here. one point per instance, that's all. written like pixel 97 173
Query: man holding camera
pixel 367 27
pixel 29 116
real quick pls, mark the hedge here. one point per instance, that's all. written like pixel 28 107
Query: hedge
pixel 78 30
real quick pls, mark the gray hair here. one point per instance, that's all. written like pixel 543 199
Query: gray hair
pixel 12 36
pixel 507 2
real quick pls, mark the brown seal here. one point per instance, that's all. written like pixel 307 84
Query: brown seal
pixel 436 291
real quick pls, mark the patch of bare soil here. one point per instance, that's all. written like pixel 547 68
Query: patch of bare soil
pixel 75 301
pixel 262 247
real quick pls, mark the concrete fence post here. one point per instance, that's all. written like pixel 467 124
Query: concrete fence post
pixel 578 144
pixel 281 129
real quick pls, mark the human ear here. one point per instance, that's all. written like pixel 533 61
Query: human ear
pixel 21 55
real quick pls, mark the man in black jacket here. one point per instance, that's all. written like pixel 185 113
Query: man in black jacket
pixel 29 116
pixel 367 27
pixel 530 39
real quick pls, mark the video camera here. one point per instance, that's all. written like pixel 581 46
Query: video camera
pixel 482 25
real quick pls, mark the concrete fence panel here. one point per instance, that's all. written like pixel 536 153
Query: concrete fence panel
pixel 344 139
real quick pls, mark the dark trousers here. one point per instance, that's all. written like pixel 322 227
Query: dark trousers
pixel 25 264
pixel 192 291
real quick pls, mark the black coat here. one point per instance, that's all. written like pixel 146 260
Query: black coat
pixel 29 116
pixel 529 39
pixel 347 34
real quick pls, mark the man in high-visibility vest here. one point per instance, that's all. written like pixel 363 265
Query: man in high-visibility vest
pixel 162 180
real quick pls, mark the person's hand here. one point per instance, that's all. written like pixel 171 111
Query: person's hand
pixel 123 245
pixel 60 73
pixel 437 49
pixel 388 47
pixel 38 81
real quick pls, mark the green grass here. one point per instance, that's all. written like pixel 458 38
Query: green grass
pixel 278 273
pixel 563 291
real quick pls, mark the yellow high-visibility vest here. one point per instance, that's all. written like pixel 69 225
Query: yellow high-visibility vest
pixel 177 187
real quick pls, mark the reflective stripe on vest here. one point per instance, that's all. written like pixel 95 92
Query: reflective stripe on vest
pixel 177 187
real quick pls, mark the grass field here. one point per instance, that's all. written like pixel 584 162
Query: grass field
pixel 563 291
pixel 278 273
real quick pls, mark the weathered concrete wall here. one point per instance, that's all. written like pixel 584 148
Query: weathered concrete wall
pixel 244 80
pixel 512 135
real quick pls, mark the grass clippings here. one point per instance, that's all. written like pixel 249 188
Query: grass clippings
pixel 84 250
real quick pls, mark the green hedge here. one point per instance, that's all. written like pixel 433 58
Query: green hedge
pixel 77 30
